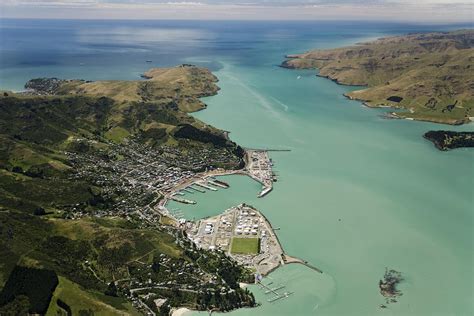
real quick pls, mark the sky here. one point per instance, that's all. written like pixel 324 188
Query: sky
pixel 418 11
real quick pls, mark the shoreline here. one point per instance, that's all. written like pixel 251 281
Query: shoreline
pixel 347 65
pixel 391 115
pixel 181 311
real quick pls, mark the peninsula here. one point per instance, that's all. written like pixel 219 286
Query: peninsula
pixel 428 76
pixel 85 168
pixel 182 86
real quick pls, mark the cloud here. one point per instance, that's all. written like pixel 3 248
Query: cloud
pixel 383 10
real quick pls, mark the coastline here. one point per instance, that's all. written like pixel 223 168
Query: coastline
pixel 391 115
pixel 394 115
pixel 411 84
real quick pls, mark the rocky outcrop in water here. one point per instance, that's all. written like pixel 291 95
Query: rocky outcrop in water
pixel 446 140
pixel 388 286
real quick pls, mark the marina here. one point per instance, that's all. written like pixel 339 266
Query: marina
pixel 268 290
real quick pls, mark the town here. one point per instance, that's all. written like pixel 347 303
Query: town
pixel 133 177
pixel 136 181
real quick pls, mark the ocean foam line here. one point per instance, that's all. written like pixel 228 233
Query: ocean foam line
pixel 262 100
pixel 284 106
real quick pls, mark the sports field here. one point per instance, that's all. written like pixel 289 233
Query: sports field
pixel 245 245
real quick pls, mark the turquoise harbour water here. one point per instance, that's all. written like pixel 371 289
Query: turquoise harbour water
pixel 356 193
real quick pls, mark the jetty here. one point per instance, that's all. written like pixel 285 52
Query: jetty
pixel 277 296
pixel 196 189
pixel 222 183
pixel 185 201
pixel 217 184
pixel 274 289
pixel 265 191
pixel 201 184
pixel 289 259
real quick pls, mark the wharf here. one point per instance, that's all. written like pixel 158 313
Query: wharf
pixel 217 184
pixel 185 201
pixel 277 296
pixel 265 191
pixel 289 259
pixel 205 186
pixel 196 189
pixel 224 184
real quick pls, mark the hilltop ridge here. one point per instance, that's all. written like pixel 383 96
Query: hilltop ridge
pixel 183 85
pixel 430 75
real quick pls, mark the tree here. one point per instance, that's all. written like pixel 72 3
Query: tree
pixel 17 169
pixel 18 307
pixel 39 211
pixel 111 290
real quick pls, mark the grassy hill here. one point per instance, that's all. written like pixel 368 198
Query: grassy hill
pixel 86 253
pixel 429 75
pixel 183 85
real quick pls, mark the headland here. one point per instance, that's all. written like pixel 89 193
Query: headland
pixel 428 76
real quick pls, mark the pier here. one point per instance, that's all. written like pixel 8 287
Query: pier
pixel 217 184
pixel 274 289
pixel 265 191
pixel 205 186
pixel 277 296
pixel 222 183
pixel 196 189
pixel 185 201
pixel 289 259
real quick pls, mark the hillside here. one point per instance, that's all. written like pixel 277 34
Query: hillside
pixel 430 76
pixel 183 85
pixel 80 175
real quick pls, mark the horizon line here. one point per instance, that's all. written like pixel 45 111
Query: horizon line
pixel 361 20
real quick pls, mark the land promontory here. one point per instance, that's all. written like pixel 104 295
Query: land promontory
pixel 83 168
pixel 183 85
pixel 430 76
